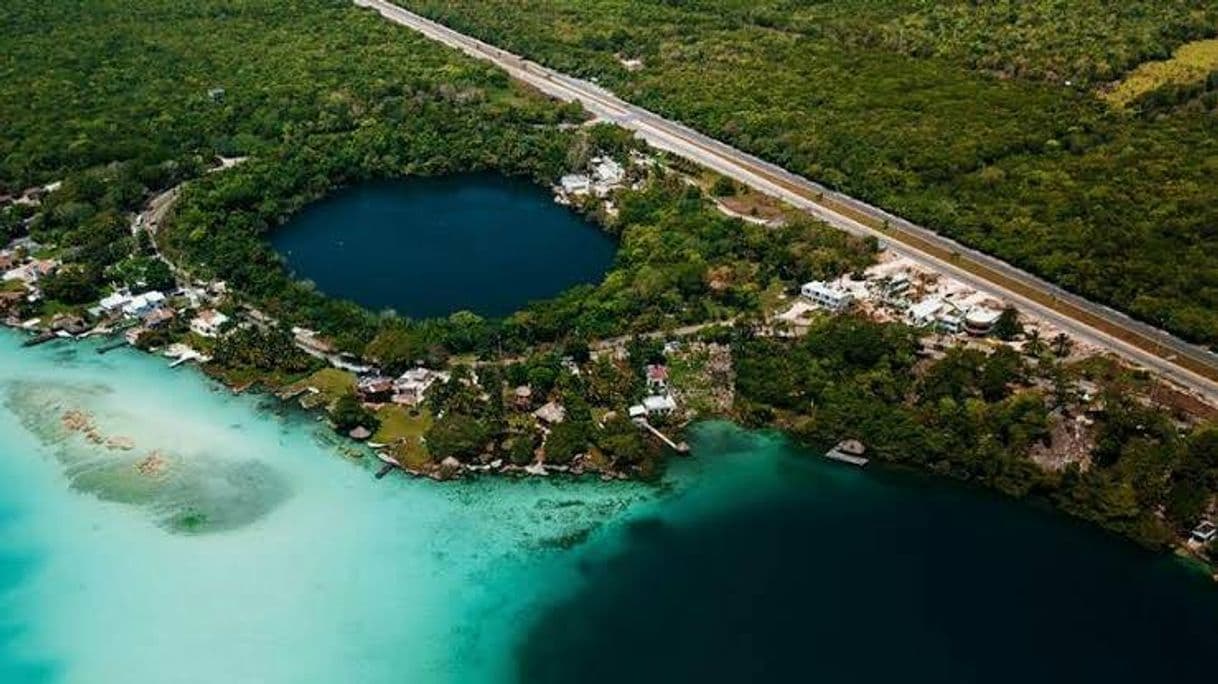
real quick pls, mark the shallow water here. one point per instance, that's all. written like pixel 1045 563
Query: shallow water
pixel 300 568
pixel 433 246
pixel 260 553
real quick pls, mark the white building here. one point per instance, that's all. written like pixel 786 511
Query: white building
pixel 829 296
pixel 925 312
pixel 208 322
pixel 607 171
pixel 980 320
pixel 575 184
pixel 1205 532
pixel 114 302
pixel 659 405
pixel 142 305
pixel 411 388
pixel 31 272
pixel 951 322
pixel 898 285
pixel 657 377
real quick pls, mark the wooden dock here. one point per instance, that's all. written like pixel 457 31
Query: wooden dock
pixel 390 464
pixel 111 346
pixel 38 339
pixel 681 448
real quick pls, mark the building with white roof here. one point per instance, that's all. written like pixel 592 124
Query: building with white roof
pixel 659 404
pixel 411 388
pixel 980 320
pixel 208 323
pixel 144 304
pixel 924 312
pixel 114 302
pixel 826 295
pixel 575 184
pixel 607 171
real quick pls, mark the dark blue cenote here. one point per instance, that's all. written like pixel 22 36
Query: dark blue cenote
pixel 428 247
pixel 798 570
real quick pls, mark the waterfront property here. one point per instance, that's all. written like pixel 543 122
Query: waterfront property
pixel 208 323
pixel 411 388
pixel 143 304
pixel 433 246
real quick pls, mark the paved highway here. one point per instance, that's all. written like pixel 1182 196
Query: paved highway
pixel 1188 365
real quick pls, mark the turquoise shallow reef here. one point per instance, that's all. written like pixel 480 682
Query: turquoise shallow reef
pixel 156 528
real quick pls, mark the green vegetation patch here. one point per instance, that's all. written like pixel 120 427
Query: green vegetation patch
pixel 1191 64
pixel 403 428
pixel 331 385
pixel 954 114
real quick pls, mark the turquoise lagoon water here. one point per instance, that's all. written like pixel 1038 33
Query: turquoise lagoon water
pixel 432 246
pixel 263 552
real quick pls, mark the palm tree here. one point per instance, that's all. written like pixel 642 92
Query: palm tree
pixel 1062 344
pixel 1035 346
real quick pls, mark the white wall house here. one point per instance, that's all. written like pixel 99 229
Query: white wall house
pixel 142 305
pixel 608 171
pixel 208 323
pixel 114 302
pixel 411 388
pixel 924 313
pixel 659 405
pixel 980 320
pixel 828 296
pixel 575 184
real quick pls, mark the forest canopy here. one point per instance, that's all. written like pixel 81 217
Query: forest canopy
pixel 983 121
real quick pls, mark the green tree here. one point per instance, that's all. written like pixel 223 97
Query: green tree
pixel 565 440
pixel 1008 327
pixel 457 435
pixel 349 413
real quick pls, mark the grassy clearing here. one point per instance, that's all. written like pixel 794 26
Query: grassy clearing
pixel 404 430
pixel 330 383
pixel 1191 63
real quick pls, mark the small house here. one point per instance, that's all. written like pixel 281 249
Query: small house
pixel 208 323
pixel 522 397
pixel 158 317
pixel 114 302
pixel 376 389
pixel 898 285
pixel 552 413
pixel 141 305
pixel 411 388
pixel 608 173
pixel 657 378
pixel 659 405
pixel 311 342
pixel 980 320
pixel 826 295
pixel 575 184
pixel 924 313
pixel 1204 533
pixel 950 322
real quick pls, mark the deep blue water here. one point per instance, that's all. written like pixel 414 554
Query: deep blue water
pixel 432 246
pixel 830 575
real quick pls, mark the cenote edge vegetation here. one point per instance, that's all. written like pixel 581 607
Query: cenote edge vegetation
pixel 428 247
